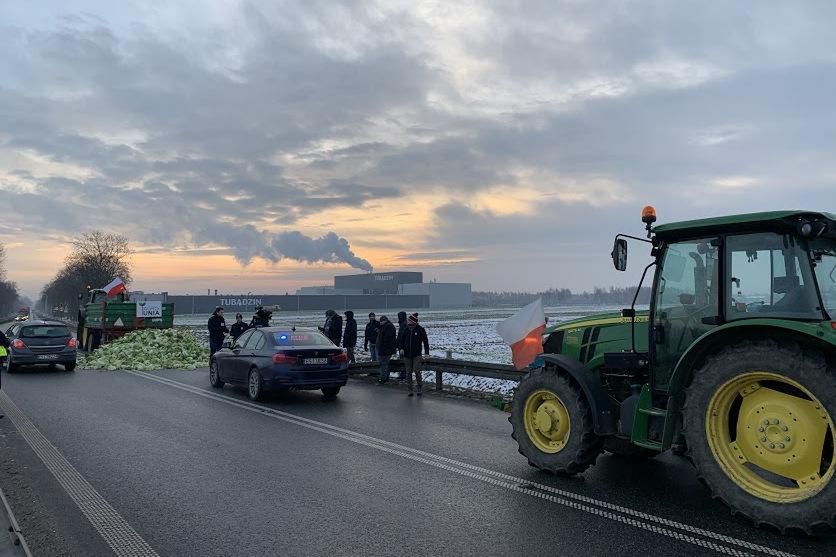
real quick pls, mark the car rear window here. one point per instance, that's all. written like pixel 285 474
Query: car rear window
pixel 45 331
pixel 296 338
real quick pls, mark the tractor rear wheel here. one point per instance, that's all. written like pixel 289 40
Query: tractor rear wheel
pixel 759 424
pixel 552 424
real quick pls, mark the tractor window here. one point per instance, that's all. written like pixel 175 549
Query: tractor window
pixel 686 294
pixel 823 252
pixel 770 276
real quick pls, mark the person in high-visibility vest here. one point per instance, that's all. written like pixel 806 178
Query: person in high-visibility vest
pixel 4 348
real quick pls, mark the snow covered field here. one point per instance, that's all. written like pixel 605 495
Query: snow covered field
pixel 469 333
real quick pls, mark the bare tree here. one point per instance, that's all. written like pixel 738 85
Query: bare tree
pixel 96 258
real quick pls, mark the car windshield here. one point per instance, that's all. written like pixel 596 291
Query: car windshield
pixel 823 253
pixel 296 338
pixel 45 331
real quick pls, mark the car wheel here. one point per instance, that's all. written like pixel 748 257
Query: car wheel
pixel 330 393
pixel 10 367
pixel 254 387
pixel 215 375
pixel 69 367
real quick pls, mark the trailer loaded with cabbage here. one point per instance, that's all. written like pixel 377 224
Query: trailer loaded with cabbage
pixel 104 318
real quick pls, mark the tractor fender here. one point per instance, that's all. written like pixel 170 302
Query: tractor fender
pixel 819 334
pixel 603 413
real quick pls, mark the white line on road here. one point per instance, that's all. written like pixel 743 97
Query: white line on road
pixel 114 529
pixel 590 505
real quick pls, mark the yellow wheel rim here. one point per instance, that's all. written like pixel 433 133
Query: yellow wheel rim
pixel 546 421
pixel 771 436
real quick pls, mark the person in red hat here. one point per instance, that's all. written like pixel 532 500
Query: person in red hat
pixel 410 344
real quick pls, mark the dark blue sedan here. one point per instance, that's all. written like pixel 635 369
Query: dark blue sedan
pixel 275 359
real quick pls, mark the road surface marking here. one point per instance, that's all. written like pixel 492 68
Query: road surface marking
pixel 611 511
pixel 113 528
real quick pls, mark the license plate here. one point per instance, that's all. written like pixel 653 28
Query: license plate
pixel 315 361
pixel 47 356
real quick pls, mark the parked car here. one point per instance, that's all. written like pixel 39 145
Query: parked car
pixel 37 342
pixel 272 358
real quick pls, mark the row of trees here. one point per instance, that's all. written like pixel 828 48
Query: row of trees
pixel 9 298
pixel 94 260
pixel 563 296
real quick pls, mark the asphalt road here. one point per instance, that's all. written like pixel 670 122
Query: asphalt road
pixel 160 463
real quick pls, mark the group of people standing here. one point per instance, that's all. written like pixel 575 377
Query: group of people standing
pixel 384 341
pixel 381 339
pixel 218 329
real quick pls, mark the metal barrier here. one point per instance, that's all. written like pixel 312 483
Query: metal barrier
pixel 447 365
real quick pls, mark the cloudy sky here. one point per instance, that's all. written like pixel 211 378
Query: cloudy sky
pixel 260 146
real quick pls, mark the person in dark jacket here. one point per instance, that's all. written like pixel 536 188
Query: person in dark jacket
pixel 401 329
pixel 350 335
pixel 370 338
pixel 261 317
pixel 410 343
pixel 217 330
pixel 387 345
pixel 333 328
pixel 238 327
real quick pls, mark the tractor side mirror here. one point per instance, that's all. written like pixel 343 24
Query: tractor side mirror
pixel 619 254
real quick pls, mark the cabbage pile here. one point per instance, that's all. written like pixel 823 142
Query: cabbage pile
pixel 149 349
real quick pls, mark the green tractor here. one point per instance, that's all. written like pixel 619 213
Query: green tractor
pixel 734 366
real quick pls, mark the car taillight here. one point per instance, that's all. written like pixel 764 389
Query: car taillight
pixel 283 359
pixel 17 343
pixel 72 343
pixel 339 358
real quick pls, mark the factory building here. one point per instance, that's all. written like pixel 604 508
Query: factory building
pixel 377 283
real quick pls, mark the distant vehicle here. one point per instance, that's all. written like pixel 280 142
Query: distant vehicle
pixel 272 358
pixel 37 342
pixel 22 317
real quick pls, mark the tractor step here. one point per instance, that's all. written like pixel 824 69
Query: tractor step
pixel 653 445
pixel 645 413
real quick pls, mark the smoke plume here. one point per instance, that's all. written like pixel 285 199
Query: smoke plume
pixel 248 242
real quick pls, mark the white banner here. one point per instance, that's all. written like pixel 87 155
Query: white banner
pixel 149 309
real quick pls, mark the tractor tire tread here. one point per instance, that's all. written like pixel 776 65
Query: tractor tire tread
pixel 589 445
pixel 785 356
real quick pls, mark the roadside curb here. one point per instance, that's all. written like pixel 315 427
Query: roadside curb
pixel 17 538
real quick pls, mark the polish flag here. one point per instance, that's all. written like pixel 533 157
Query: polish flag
pixel 114 287
pixel 523 332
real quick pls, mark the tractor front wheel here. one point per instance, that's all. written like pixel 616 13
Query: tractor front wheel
pixel 552 424
pixel 759 425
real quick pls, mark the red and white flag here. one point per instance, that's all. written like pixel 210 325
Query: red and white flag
pixel 114 287
pixel 523 332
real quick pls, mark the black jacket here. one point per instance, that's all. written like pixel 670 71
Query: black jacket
pixel 333 329
pixel 350 335
pixel 411 339
pixel 261 319
pixel 387 343
pixel 372 327
pixel 217 328
pixel 238 329
pixel 4 340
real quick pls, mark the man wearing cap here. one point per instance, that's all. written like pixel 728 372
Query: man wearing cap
pixel 217 330
pixel 410 343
